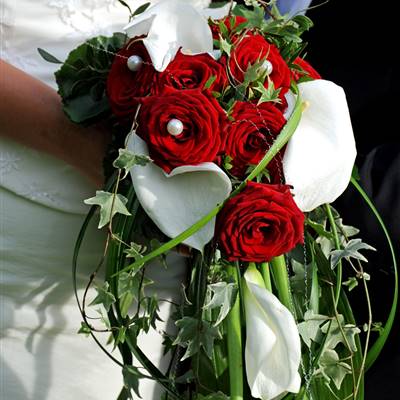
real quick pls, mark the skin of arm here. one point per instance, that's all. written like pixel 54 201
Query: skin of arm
pixel 31 114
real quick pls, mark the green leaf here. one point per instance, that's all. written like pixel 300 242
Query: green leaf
pixel 310 328
pixel 131 377
pixel 225 46
pixel 351 250
pixel 210 81
pixel 48 57
pixel 255 17
pixel 110 205
pixel 135 251
pixel 335 335
pixel 269 94
pixel 222 296
pixel 104 297
pixel 125 5
pixel 351 283
pixel 141 9
pixel 213 396
pixel 84 329
pixel 195 334
pixel 127 159
pixel 331 368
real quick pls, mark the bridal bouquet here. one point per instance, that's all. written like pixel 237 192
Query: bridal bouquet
pixel 227 146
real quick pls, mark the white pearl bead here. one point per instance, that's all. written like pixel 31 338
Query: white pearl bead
pixel 175 127
pixel 267 67
pixel 134 63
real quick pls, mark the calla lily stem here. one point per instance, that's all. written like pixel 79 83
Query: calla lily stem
pixel 265 272
pixel 281 279
pixel 234 340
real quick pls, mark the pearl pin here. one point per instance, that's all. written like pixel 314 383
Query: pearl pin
pixel 175 127
pixel 134 63
pixel 267 67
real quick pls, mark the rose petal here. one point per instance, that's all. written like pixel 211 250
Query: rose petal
pixel 171 25
pixel 319 158
pixel 273 349
pixel 177 200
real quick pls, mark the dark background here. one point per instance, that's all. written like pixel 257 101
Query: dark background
pixel 353 44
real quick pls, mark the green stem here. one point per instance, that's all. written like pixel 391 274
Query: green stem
pixel 339 268
pixel 265 272
pixel 281 278
pixel 234 339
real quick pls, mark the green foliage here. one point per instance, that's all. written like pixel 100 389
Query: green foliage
pixel 110 205
pixel 268 94
pixel 104 296
pixel 49 57
pixel 350 250
pixel 131 377
pixel 309 329
pixel 84 329
pixel 222 297
pixel 195 334
pixel 127 159
pixel 82 78
pixel 141 9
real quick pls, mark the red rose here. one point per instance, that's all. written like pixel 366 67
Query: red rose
pixel 228 22
pixel 125 87
pixel 251 134
pixel 252 49
pixel 260 223
pixel 200 140
pixel 192 72
pixel 306 67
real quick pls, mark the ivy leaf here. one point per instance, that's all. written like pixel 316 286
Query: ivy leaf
pixel 268 94
pixel 222 295
pixel 194 335
pixel 351 250
pixel 310 328
pixel 84 329
pixel 108 206
pixel 331 368
pixel 135 250
pixel 335 335
pixel 127 159
pixel 351 283
pixel 224 45
pixel 255 17
pixel 131 377
pixel 104 297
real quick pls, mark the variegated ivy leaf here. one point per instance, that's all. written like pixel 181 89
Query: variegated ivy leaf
pixel 309 329
pixel 336 331
pixel 127 159
pixel 194 335
pixel 222 296
pixel 331 368
pixel 131 377
pixel 104 297
pixel 351 250
pixel 268 94
pixel 110 205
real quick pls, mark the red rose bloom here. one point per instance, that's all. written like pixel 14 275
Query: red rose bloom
pixel 251 134
pixel 252 49
pixel 236 19
pixel 192 72
pixel 306 67
pixel 125 87
pixel 200 140
pixel 260 223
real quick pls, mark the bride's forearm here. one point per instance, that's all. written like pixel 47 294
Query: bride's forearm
pixel 31 113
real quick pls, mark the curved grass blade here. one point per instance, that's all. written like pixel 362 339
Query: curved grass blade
pixel 377 347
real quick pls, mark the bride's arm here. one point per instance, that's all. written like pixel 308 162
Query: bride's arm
pixel 31 113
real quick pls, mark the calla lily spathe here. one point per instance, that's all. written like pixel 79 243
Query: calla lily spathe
pixel 273 349
pixel 319 158
pixel 171 25
pixel 177 200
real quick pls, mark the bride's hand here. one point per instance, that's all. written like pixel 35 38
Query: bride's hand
pixel 31 113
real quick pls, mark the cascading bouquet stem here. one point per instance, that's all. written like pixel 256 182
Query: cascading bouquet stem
pixel 225 141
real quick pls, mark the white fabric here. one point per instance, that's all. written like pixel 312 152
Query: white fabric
pixel 41 211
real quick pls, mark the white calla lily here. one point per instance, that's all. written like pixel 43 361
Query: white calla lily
pixel 319 158
pixel 178 200
pixel 171 25
pixel 273 349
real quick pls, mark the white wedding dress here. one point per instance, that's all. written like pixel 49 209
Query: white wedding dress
pixel 41 210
